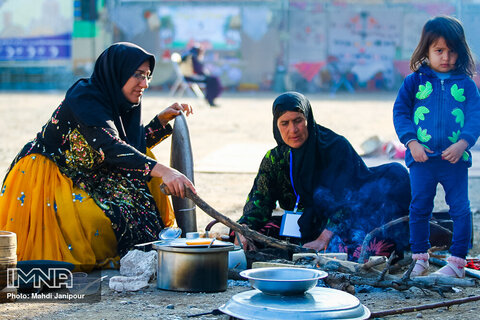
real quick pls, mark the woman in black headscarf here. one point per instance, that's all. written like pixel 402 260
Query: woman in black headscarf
pixel 316 172
pixel 86 189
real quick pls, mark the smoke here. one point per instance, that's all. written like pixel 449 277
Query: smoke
pixel 354 213
pixel 376 200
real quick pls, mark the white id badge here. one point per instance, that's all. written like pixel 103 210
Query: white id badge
pixel 289 227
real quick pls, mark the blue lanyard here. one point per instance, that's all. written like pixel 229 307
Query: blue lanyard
pixel 291 180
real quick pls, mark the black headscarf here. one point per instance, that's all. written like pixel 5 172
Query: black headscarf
pixel 98 100
pixel 326 160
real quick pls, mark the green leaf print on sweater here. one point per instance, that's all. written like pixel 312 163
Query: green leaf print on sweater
pixel 465 156
pixel 459 116
pixel 424 90
pixel 420 114
pixel 422 135
pixel 457 93
pixel 454 137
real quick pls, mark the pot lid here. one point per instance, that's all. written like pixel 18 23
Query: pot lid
pixel 316 303
pixel 193 245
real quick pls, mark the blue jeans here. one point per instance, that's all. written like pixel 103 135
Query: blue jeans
pixel 424 178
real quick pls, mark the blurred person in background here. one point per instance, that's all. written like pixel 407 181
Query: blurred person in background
pixel 194 70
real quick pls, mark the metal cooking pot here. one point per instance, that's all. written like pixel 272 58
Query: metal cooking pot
pixel 192 268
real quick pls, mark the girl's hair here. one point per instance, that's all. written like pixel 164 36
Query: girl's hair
pixel 452 31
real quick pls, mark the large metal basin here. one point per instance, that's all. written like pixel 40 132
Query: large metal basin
pixel 316 303
pixel 283 281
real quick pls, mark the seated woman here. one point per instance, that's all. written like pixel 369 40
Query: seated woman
pixel 194 59
pixel 316 172
pixel 86 189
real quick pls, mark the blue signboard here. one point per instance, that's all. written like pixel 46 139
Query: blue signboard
pixel 38 48
pixel 35 30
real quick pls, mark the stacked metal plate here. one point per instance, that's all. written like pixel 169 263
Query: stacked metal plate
pixel 316 303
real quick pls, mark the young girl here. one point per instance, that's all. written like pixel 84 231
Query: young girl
pixel 437 116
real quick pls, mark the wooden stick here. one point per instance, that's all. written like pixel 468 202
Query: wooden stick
pixel 372 233
pixel 374 262
pixel 407 274
pixel 244 230
pixel 427 282
pixel 384 313
pixel 353 275
pixel 387 267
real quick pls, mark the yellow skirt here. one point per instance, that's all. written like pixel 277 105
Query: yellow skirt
pixel 54 220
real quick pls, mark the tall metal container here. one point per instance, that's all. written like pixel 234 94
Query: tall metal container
pixel 181 159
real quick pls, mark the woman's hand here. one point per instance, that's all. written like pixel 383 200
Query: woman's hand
pixel 453 153
pixel 174 110
pixel 175 181
pixel 245 243
pixel 418 151
pixel 321 243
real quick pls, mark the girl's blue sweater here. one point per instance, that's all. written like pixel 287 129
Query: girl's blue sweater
pixel 437 112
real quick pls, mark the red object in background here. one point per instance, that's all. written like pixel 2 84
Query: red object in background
pixel 308 70
pixel 402 67
pixel 166 55
pixel 473 264
pixel 476 77
pixel 394 150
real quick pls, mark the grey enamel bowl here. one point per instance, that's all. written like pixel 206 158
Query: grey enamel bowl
pixel 283 281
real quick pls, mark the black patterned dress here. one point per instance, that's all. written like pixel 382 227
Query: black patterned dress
pixel 64 167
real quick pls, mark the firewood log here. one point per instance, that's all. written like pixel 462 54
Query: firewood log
pixel 244 230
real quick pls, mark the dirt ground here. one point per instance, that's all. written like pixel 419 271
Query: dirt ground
pixel 242 120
